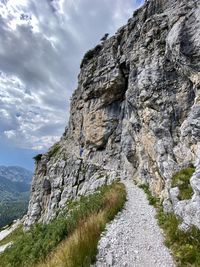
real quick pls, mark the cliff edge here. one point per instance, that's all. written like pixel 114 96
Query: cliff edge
pixel 136 111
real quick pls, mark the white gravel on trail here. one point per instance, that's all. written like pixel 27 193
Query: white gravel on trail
pixel 133 238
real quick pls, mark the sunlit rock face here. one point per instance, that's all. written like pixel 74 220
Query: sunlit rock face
pixel 136 111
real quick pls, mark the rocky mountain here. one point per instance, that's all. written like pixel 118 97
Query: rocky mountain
pixel 136 112
pixel 14 193
pixel 16 174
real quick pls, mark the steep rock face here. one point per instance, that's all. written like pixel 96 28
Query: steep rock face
pixel 136 111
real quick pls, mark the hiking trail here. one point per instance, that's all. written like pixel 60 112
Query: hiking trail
pixel 133 238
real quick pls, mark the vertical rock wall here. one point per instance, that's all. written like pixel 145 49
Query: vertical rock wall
pixel 136 111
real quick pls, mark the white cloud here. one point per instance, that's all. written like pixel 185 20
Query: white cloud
pixel 23 121
pixel 42 43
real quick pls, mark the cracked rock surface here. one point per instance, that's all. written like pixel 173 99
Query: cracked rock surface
pixel 133 238
pixel 136 111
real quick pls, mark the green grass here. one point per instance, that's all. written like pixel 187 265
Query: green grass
pixel 54 150
pixel 80 248
pixel 185 246
pixel 182 180
pixel 36 244
pixel 90 54
pixel 154 201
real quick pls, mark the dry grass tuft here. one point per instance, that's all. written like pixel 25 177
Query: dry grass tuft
pixel 71 239
pixel 80 248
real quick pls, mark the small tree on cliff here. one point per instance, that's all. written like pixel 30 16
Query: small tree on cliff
pixel 105 37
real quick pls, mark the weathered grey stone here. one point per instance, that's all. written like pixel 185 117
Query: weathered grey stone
pixel 174 195
pixel 109 259
pixel 167 206
pixel 189 210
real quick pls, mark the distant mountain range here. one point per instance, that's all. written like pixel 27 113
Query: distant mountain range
pixel 14 193
pixel 16 174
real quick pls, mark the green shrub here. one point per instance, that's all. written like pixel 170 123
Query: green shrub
pixel 41 239
pixel 152 199
pixel 182 180
pixel 37 157
pixel 185 246
pixel 54 150
pixel 90 54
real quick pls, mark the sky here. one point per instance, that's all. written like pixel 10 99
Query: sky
pixel 41 46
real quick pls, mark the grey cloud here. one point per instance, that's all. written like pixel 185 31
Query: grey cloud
pixel 45 57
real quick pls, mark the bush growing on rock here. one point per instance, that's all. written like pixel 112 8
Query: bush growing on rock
pixel 182 180
pixel 37 157
pixel 54 150
pixel 185 246
pixel 90 54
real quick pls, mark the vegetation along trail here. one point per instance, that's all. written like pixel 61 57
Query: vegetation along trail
pixel 133 238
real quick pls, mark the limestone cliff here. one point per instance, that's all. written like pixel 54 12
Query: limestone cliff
pixel 136 111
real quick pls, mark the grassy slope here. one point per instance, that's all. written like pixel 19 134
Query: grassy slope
pixel 185 246
pixel 72 240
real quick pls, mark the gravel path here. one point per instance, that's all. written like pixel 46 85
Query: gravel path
pixel 133 238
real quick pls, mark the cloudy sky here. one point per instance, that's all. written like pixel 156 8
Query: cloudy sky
pixel 41 46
